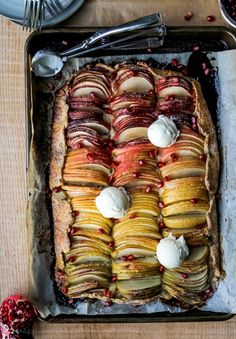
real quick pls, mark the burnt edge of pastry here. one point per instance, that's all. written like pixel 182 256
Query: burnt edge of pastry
pixel 62 209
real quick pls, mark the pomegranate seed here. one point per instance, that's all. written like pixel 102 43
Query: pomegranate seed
pixel 57 189
pixel 151 92
pixel 135 174
pixel 207 71
pixel 161 268
pixel 196 48
pixel 162 225
pixel 141 162
pixel 160 184
pixel 210 18
pixel 169 97
pixel 202 157
pixel 175 80
pixel 194 120
pixel 133 216
pixel 174 62
pixel 152 154
pixel 209 291
pixel 148 189
pixel 73 230
pixel 162 81
pixel 194 200
pixel 79 145
pixel 161 204
pixel 72 258
pixel 113 165
pixel 149 50
pixel 173 157
pixel 108 303
pixel 70 301
pixel 204 65
pixel 124 258
pixel 184 275
pixel 130 257
pixel 60 273
pixel 109 294
pixel 114 278
pixel 194 127
pixel 64 290
pixel 165 179
pixel 75 214
pixel 160 164
pixel 90 157
pixel 111 244
pixel 104 292
pixel 100 231
pixel 188 16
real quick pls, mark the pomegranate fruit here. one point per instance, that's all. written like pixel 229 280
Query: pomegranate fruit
pixel 17 315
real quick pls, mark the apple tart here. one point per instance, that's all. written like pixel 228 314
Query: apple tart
pixel 100 139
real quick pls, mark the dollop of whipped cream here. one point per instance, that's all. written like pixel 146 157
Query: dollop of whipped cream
pixel 163 132
pixel 113 202
pixel 171 252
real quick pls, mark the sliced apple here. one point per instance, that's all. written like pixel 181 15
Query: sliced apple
pixel 139 287
pixel 184 168
pixel 185 207
pixel 137 251
pixel 185 221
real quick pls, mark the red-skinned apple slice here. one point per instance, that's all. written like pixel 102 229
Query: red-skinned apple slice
pixel 97 124
pixel 132 99
pixel 184 168
pixel 174 85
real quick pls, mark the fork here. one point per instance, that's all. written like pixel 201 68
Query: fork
pixel 54 7
pixel 33 15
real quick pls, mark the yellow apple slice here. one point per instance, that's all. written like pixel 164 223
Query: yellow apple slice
pixel 184 168
pixel 185 207
pixel 142 242
pixel 185 221
pixel 137 251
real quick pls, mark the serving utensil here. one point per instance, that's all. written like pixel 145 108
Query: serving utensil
pixel 47 63
pixel 33 15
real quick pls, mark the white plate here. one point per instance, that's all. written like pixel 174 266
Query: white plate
pixel 14 10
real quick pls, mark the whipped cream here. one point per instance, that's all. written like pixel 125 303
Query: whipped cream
pixel 171 252
pixel 163 132
pixel 113 202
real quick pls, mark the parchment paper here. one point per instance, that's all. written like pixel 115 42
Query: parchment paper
pixel 40 225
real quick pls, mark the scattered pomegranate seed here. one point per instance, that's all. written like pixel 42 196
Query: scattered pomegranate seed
pixel 109 294
pixel 162 225
pixel 207 71
pixel 79 145
pixel 194 127
pixel 149 50
pixel 133 216
pixel 70 301
pixel 60 273
pixel 113 165
pixel 108 303
pixel 114 278
pixel 104 292
pixel 184 275
pixel 141 162
pixel 135 174
pixel 194 200
pixel 64 290
pixel 90 157
pixel 161 204
pixel 73 230
pixel 75 214
pixel 123 258
pixel 169 97
pixel 173 157
pixel 148 189
pixel 175 80
pixel 72 258
pixel 188 16
pixel 166 179
pixel 57 189
pixel 111 244
pixel 130 257
pixel 204 66
pixel 161 268
pixel 160 184
pixel 202 157
pixel 210 18
pixel 100 230
pixel 174 62
pixel 209 291
pixel 194 120
pixel 162 80
pixel 160 164
pixel 150 92
pixel 196 48
pixel 152 154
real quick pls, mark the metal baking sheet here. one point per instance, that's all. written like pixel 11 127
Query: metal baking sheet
pixel 178 40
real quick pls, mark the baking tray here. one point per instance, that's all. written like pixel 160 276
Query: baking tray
pixel 178 39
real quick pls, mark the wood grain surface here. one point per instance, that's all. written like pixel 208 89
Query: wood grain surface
pixel 13 198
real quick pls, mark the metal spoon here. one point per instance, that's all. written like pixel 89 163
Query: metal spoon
pixel 46 63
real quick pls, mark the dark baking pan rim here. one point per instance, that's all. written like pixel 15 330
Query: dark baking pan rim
pixel 228 38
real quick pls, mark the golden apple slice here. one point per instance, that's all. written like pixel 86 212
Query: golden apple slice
pixel 126 275
pixel 92 225
pixel 184 184
pixel 141 264
pixel 196 256
pixel 75 191
pixel 94 256
pixel 137 251
pixel 185 221
pixel 179 196
pixel 143 242
pixel 74 291
pixel 135 288
pixel 91 234
pixel 185 207
pixel 99 218
pixel 184 168
pixel 193 236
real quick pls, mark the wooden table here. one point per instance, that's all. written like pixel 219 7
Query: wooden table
pixel 13 233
